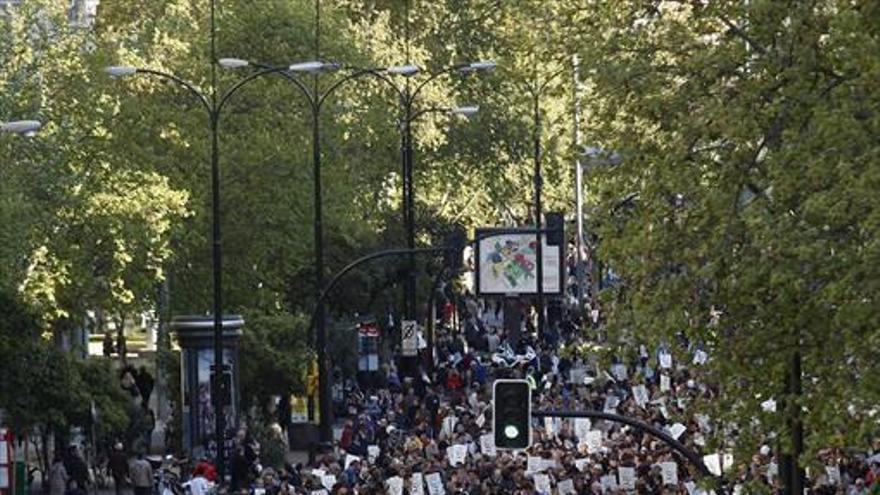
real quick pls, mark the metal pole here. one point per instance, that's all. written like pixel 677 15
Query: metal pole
pixel 540 238
pixel 579 186
pixel 325 428
pixel 409 212
pixel 219 414
pixel 220 418
pixel 790 472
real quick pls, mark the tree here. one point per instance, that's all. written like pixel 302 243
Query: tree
pixel 747 132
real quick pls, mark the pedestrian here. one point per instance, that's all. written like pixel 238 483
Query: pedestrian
pixel 76 468
pixel 58 477
pixel 118 467
pixel 141 475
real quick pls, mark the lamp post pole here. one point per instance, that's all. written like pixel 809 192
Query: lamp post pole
pixel 213 103
pixel 408 98
pixel 538 181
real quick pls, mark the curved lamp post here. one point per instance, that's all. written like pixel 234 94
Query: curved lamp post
pixel 408 100
pixel 535 90
pixel 213 103
pixel 316 99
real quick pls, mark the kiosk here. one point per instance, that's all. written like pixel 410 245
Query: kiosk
pixel 195 335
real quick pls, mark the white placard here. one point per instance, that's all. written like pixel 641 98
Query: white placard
pixel 565 487
pixel 481 420
pixel 542 484
pixel 714 463
pixel 435 484
pixel 581 427
pixel 487 445
pixel 394 485
pixel 318 473
pixel 676 430
pixel 550 426
pixel 448 427
pixel 700 357
pixel 349 459
pixel 611 403
pixel 534 464
pixel 627 477
pixel 320 492
pixel 594 441
pixel 609 482
pixel 833 473
pixel 373 452
pixel 581 464
pixel 665 384
pixel 665 360
pixel 640 394
pixel 328 480
pixel 669 470
pixel 619 371
pixel 456 454
pixel 416 484
pixel 577 375
pixel 703 423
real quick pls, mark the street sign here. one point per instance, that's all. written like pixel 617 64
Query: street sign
pixel 409 338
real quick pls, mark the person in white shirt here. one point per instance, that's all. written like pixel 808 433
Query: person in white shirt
pixel 199 485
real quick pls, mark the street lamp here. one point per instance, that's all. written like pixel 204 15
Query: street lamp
pixel 535 91
pixel 316 100
pixel 24 127
pixel 408 98
pixel 213 103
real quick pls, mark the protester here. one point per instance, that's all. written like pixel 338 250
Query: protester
pixel 141 473
pixel 58 477
pixel 117 464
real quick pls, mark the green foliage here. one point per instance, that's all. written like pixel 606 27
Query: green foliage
pixel 272 358
pixel 748 132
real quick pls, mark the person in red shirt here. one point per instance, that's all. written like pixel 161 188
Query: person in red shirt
pixel 205 469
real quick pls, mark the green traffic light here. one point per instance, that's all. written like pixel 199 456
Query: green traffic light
pixel 511 431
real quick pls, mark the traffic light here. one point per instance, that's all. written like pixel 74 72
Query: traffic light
pixel 511 414
pixel 555 229
pixel 455 244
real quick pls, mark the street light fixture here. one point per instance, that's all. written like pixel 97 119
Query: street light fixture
pixel 24 127
pixel 312 66
pixel 403 70
pixel 213 102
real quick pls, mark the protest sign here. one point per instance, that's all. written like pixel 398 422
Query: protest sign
pixel 542 484
pixel 619 371
pixel 665 360
pixel 416 484
pixel 640 394
pixel 676 430
pixel 373 452
pixel 329 481
pixel 581 464
pixel 565 487
pixel 608 482
pixel 487 445
pixel 833 473
pixel 435 484
pixel 581 427
pixel 394 485
pixel 665 384
pixel 627 476
pixel 456 454
pixel 594 441
pixel 669 470
pixel 349 459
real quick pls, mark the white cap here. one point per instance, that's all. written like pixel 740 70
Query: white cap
pixel 765 450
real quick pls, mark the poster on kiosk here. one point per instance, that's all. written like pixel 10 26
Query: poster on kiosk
pixel 5 461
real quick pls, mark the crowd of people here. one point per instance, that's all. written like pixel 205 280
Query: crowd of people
pixel 432 434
